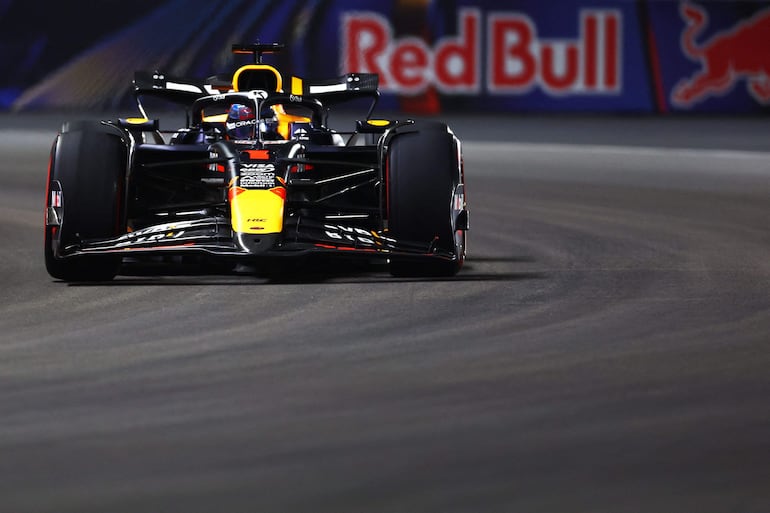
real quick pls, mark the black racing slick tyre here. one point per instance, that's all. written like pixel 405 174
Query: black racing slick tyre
pixel 85 188
pixel 424 188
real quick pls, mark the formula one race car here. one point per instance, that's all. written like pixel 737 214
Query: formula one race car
pixel 255 173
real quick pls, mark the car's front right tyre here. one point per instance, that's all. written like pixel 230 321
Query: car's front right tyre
pixel 86 188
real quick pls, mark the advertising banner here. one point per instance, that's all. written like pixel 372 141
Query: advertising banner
pixel 483 56
pixel 713 56
pixel 431 56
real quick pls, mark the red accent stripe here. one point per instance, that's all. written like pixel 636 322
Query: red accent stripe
pixel 174 246
pixel 48 180
pixel 258 154
pixel 346 248
pixel 119 206
pixel 48 184
pixel 233 192
pixel 387 188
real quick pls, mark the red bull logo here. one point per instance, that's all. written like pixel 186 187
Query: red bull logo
pixel 740 53
pixel 517 59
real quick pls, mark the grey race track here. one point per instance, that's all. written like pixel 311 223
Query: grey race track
pixel 605 350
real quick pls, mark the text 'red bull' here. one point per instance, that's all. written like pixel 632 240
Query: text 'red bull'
pixel 742 52
pixel 517 59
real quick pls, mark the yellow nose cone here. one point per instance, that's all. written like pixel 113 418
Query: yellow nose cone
pixel 257 210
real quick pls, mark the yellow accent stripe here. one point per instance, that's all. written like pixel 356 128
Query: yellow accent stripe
pixel 258 67
pixel 296 86
pixel 215 118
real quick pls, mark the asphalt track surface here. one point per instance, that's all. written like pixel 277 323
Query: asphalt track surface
pixel 605 349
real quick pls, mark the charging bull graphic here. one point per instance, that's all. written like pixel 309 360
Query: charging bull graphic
pixel 742 52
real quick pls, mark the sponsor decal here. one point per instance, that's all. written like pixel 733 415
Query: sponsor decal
pixel 56 198
pixel 257 176
pixel 736 54
pixel 459 201
pixel 237 124
pixel 154 234
pixel 517 59
pixel 215 166
pixel 348 234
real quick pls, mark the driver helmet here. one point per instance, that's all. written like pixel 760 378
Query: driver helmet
pixel 240 122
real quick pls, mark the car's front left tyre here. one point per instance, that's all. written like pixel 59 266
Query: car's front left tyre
pixel 425 197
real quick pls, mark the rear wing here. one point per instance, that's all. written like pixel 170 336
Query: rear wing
pixel 173 88
pixel 351 84
pixel 185 90
pixel 348 87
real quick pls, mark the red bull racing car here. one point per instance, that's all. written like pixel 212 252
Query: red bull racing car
pixel 254 173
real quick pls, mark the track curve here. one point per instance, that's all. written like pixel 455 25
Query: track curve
pixel 605 349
